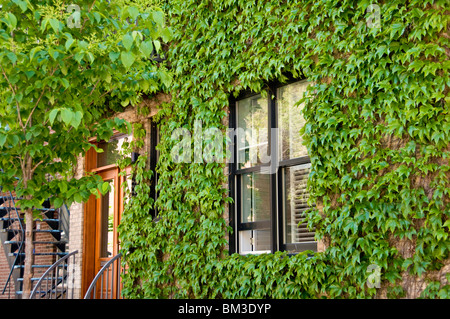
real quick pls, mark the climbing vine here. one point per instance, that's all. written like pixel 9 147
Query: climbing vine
pixel 377 131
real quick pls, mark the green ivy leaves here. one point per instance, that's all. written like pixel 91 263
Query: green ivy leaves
pixel 376 130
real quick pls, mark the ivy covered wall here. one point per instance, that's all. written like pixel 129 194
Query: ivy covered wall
pixel 377 131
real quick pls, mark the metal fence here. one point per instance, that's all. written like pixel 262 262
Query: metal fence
pixel 58 281
pixel 107 283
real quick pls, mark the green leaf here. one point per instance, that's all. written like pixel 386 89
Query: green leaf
pixel 134 12
pixel 2 139
pixel 105 188
pixel 76 119
pixel 397 28
pixel 157 45
pixel 12 20
pixel 66 116
pixel 127 41
pixel 114 56
pixel 165 78
pixel 447 224
pixel 79 56
pixel 166 35
pixel 58 202
pixel 22 4
pixel 52 115
pixel 158 17
pixel 29 74
pixel 55 25
pixel 146 48
pixel 69 43
pixel 12 57
pixel 77 197
pixel 91 57
pixel 44 24
pixel 127 59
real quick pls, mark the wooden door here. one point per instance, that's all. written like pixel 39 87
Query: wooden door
pixel 107 215
pixel 103 214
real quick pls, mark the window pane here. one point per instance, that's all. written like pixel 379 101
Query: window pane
pixel 112 150
pixel 290 120
pixel 107 221
pixel 254 241
pixel 252 131
pixel 295 204
pixel 255 194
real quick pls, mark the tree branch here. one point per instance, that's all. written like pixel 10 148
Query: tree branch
pixel 14 92
pixel 39 99
pixel 100 96
pixel 92 91
pixel 36 166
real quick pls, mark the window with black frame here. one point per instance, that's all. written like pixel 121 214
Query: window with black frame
pixel 269 172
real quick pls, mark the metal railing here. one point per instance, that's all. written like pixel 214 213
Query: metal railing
pixel 56 280
pixel 16 228
pixel 109 279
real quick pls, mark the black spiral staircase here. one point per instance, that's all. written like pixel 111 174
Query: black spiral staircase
pixel 50 240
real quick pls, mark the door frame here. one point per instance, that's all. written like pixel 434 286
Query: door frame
pixel 90 223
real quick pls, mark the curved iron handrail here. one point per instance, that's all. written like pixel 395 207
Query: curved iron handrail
pixel 100 274
pixel 55 265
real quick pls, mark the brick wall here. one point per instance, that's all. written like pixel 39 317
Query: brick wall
pixel 76 234
pixel 4 272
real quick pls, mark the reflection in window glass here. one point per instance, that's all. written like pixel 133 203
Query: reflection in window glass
pixel 290 120
pixel 112 150
pixel 252 131
pixel 255 197
pixel 128 190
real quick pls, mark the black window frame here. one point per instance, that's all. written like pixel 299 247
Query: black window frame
pixel 154 158
pixel 276 186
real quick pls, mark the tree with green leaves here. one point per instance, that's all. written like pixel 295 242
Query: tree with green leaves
pixel 64 68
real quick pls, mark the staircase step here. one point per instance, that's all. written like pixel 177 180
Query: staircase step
pixel 11 242
pixel 37 278
pixel 8 208
pixel 61 254
pixel 5 199
pixel 52 231
pixel 58 292
pixel 38 266
pixel 9 233
pixel 51 222
pixel 14 244
pixel 47 220
pixel 8 198
pixel 13 232
pixel 61 245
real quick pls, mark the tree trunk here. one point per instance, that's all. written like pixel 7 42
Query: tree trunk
pixel 29 255
pixel 29 238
